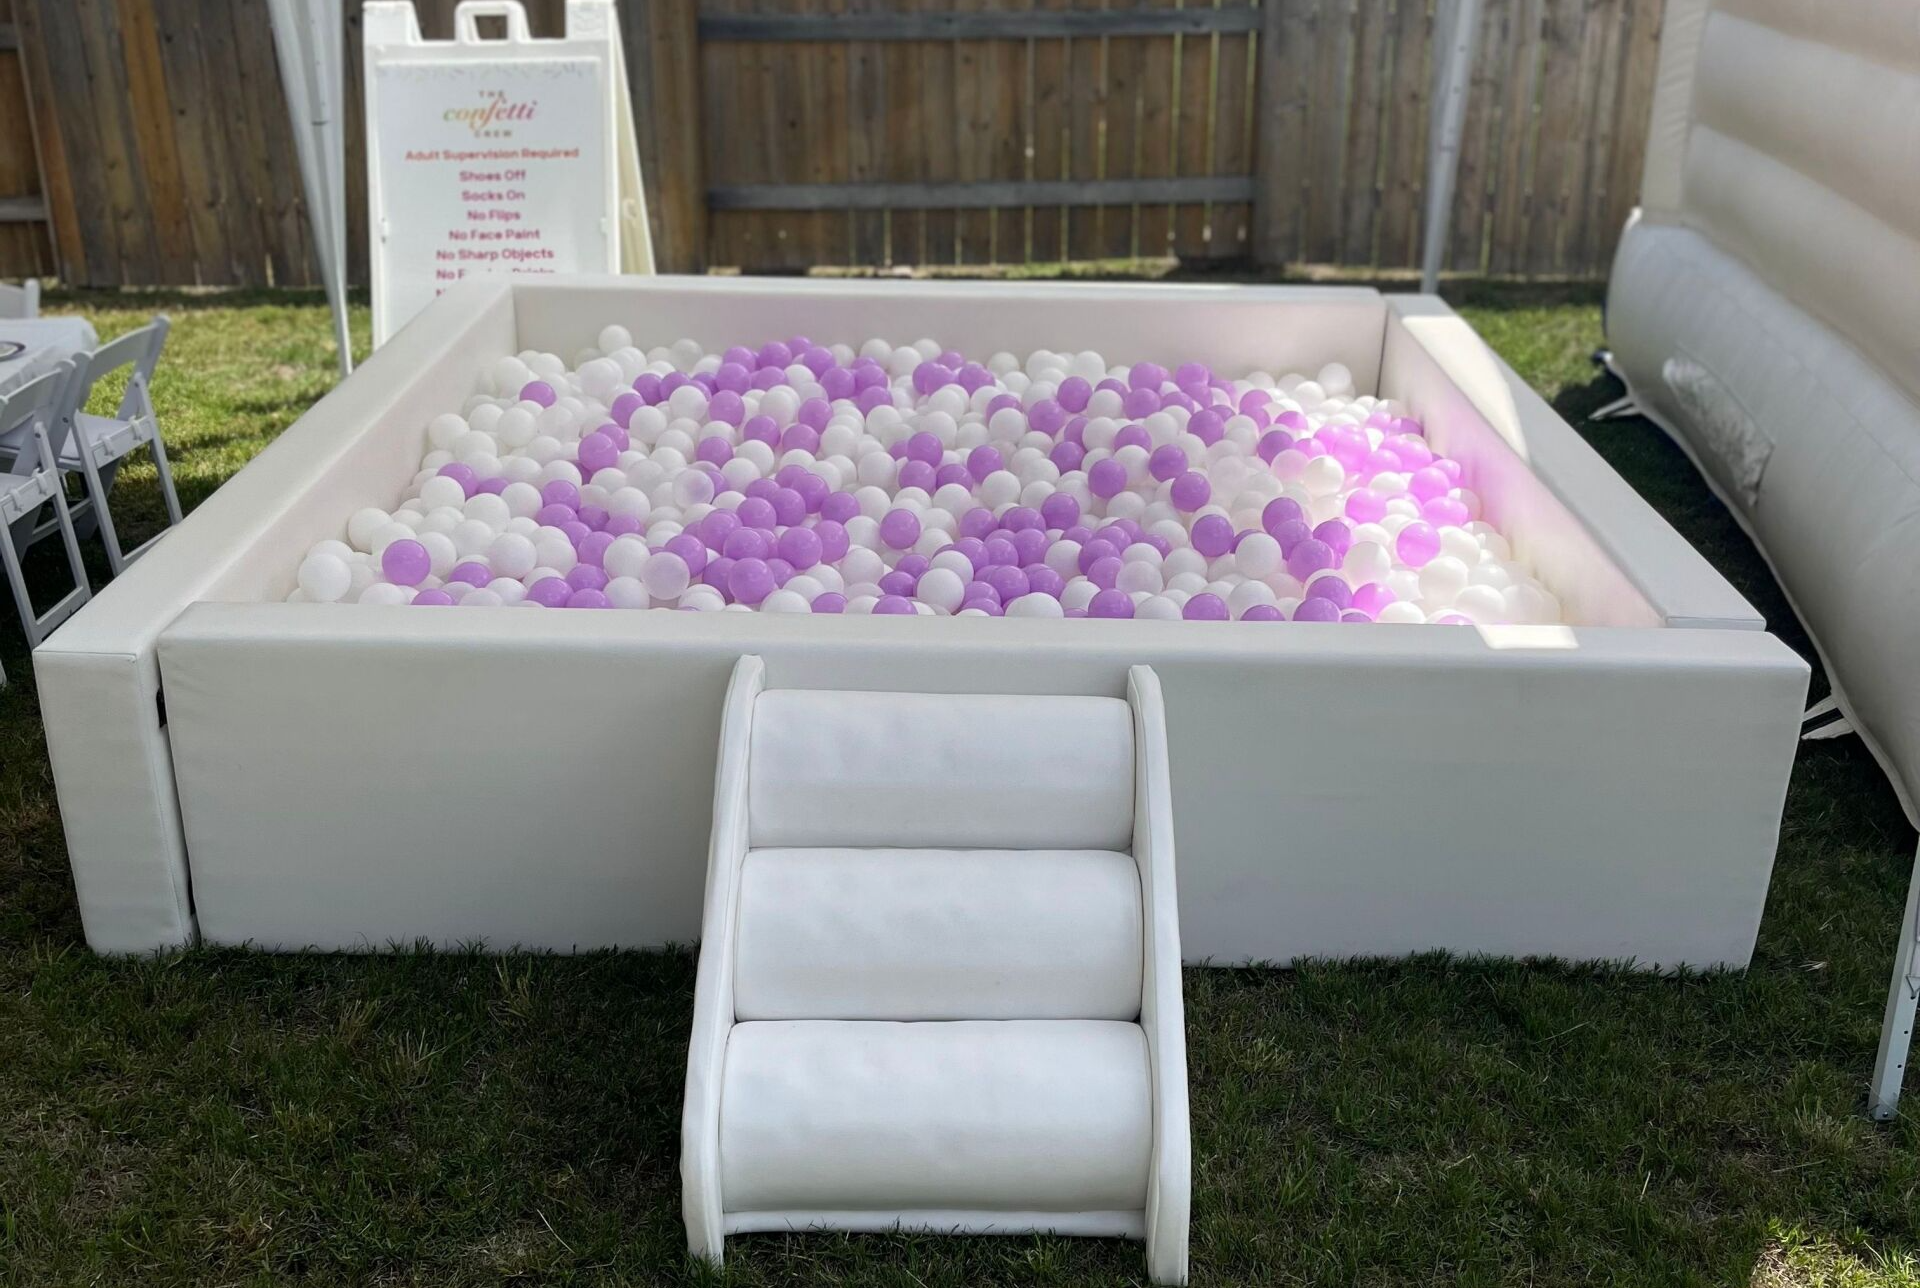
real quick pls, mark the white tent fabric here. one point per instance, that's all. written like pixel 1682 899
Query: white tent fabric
pixel 306 38
pixel 1765 311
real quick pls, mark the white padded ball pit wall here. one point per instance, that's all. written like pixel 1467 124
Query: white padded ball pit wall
pixel 295 775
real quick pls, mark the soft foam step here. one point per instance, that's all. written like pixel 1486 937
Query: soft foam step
pixel 1017 1115
pixel 938 935
pixel 986 772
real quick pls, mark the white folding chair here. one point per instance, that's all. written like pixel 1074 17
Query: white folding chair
pixel 34 419
pixel 97 444
pixel 22 301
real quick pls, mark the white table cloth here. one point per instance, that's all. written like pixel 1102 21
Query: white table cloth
pixel 47 341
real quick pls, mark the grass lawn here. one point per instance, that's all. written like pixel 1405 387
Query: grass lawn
pixel 226 1117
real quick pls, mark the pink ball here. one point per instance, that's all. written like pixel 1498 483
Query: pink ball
pixel 1417 544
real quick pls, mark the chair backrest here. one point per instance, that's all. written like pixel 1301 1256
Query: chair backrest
pixel 44 400
pixel 140 350
pixel 22 301
pixel 914 770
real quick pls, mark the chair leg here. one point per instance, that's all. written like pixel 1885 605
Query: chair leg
pixel 165 471
pixel 97 485
pixel 38 625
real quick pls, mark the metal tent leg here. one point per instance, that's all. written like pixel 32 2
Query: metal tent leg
pixel 1896 1030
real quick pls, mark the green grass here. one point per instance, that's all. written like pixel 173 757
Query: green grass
pixel 225 1117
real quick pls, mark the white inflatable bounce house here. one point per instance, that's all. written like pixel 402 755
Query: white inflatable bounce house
pixel 1765 311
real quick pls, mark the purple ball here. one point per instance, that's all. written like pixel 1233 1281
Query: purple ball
pixel 839 507
pixel 551 592
pixel 1272 443
pixel 1044 580
pixel 406 562
pixel 1317 610
pixel 623 408
pixel 1107 479
pixel 1191 491
pixel 1001 552
pixel 1073 394
pixel 831 601
pixel 977 522
pixel 1334 589
pixel 757 512
pixel 980 591
pixel 588 597
pixel 538 391
pixel 1067 456
pixel 1337 535
pixel 984 460
pixel 1263 613
pixel 585 576
pixel 923 446
pixel 1060 511
pixel 716 573
pixel 462 473
pixel 1140 402
pixel 1282 509
pixel 1207 426
pixel 747 543
pixel 1104 572
pixel 560 492
pixel 899 528
pixel 918 474
pixel 749 581
pixel 1205 607
pixel 1309 557
pixel 690 549
pixel 1007 581
pixel 554 516
pixel 594 549
pixel 760 429
pixel 1167 463
pixel 897 583
pixel 474 574
pixel 1047 416
pixel 833 540
pixel 1110 603
pixel 894 606
pixel 800 547
pixel 1132 436
pixel 440 598
pixel 1212 536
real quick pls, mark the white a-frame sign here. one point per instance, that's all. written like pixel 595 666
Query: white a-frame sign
pixel 492 155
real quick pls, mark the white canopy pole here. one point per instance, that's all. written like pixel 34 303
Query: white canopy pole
pixel 1449 119
pixel 1896 1030
pixel 306 37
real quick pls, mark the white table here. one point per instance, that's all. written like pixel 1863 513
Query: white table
pixel 48 341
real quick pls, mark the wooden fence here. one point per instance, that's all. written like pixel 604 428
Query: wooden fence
pixel 780 134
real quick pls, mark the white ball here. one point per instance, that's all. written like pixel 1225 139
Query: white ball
pixel 666 576
pixel 784 601
pixel 362 526
pixel 1258 555
pixel 384 592
pixel 324 578
pixel 941 587
pixel 1035 605
pixel 626 557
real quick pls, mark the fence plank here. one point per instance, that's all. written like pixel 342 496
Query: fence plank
pixel 1086 137
pixel 167 153
pixel 1404 144
pixel 866 137
pixel 1368 92
pixel 1159 123
pixel 1230 223
pixel 1509 182
pixel 1050 71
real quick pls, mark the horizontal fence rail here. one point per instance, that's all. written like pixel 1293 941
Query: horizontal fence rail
pixel 147 141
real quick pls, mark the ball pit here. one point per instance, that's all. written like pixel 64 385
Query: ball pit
pixel 800 477
pixel 234 769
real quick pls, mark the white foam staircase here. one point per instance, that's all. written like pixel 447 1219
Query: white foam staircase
pixel 939 983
